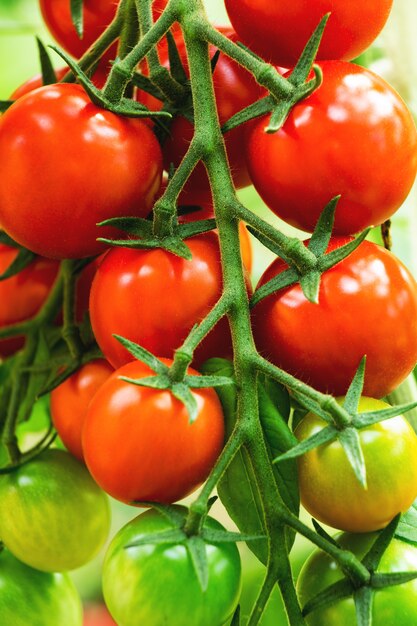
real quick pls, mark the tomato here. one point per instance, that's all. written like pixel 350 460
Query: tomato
pixel 278 31
pixel 391 605
pixel 110 166
pixel 22 295
pixel 139 444
pixel 367 306
pixel 97 615
pixel 32 598
pixel 331 492
pixel 157 584
pixel 156 298
pixel 235 89
pixel 329 145
pixel 97 15
pixel 52 515
pixel 69 402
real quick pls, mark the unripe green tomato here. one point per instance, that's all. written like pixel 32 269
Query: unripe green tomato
pixel 156 584
pixel 392 606
pixel 329 489
pixel 53 516
pixel 32 598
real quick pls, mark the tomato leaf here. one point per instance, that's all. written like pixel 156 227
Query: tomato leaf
pixel 48 73
pixel 23 260
pixel 407 527
pixel 353 395
pixel 363 606
pixel 197 551
pixel 349 438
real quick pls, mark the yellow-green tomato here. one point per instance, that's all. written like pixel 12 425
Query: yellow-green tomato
pixel 32 598
pixel 53 516
pixel 331 492
pixel 156 584
pixel 391 606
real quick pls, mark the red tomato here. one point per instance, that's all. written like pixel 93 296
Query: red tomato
pixel 235 89
pixel 139 444
pixel 22 295
pixel 70 401
pixel 347 138
pixel 367 306
pixel 154 298
pixel 97 615
pixel 82 164
pixel 98 14
pixel 278 31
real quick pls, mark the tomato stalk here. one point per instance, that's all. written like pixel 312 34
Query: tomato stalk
pixel 70 331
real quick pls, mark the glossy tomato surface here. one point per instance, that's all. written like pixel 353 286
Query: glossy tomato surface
pixel 235 89
pixel 278 31
pixel 367 306
pixel 32 598
pixel 139 444
pixel 354 137
pixel 70 402
pixel 331 492
pixel 53 516
pixel 22 295
pixel 154 298
pixel 157 584
pixel 110 166
pixel 391 606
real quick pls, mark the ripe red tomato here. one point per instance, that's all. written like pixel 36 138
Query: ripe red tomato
pixel 22 295
pixel 235 89
pixel 154 298
pixel 330 145
pixel 70 401
pixel 278 31
pixel 97 615
pixel 139 444
pixel 111 166
pixel 367 306
pixel 329 489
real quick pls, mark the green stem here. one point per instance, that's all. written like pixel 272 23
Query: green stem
pixel 70 331
pixel 263 597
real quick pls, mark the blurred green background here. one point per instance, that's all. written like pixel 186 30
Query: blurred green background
pixel 394 56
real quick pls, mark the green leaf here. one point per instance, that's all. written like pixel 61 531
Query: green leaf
pixel 47 69
pixel 336 256
pixel 301 71
pixel 143 355
pixel 407 527
pixel 349 439
pixel 197 551
pixel 23 260
pixel 353 395
pixel 285 279
pixel 363 606
pixel 323 230
pixel 182 392
pixel 338 591
pixel 310 285
pixel 327 434
pixel 77 16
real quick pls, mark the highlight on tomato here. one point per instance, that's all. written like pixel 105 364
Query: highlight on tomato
pixel 329 146
pixel 157 584
pixel 367 306
pixel 53 516
pixel 139 444
pixel 331 492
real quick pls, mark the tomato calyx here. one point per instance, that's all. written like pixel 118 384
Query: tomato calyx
pixel 306 263
pixel 361 586
pixel 344 425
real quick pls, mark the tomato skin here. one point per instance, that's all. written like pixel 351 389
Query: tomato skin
pixel 157 585
pixel 331 492
pixel 22 295
pixel 139 445
pixel 391 605
pixel 112 166
pixel 329 146
pixel 167 294
pixel 53 517
pixel 278 31
pixel 29 597
pixel 70 401
pixel 367 305
pixel 235 89
pixel 97 615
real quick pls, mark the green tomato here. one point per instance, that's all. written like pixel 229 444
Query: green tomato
pixel 53 516
pixel 392 606
pixel 32 598
pixel 331 492
pixel 156 584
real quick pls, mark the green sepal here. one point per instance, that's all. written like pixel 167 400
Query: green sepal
pixel 236 617
pixel 338 591
pixel 363 598
pixel 77 16
pixel 269 244
pixel 8 241
pixel 320 238
pixel 253 111
pixel 170 512
pixel 47 69
pixel 5 104
pixel 24 259
pixel 176 66
pixel 362 420
pixel 161 381
pixel 349 439
pixel 170 244
pixel 310 285
pixel 407 527
pixel 311 405
pixel 136 226
pixel 320 531
pixel 281 281
pixel 327 434
pixel 303 67
pixel 167 536
pixel 144 83
pixel 381 581
pixel 373 557
pixel 197 550
pixel 334 257
pixel 196 228
pixel 353 395
pixel 182 392
pixel 143 355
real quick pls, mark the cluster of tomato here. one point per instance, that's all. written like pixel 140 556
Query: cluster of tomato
pixel 353 136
